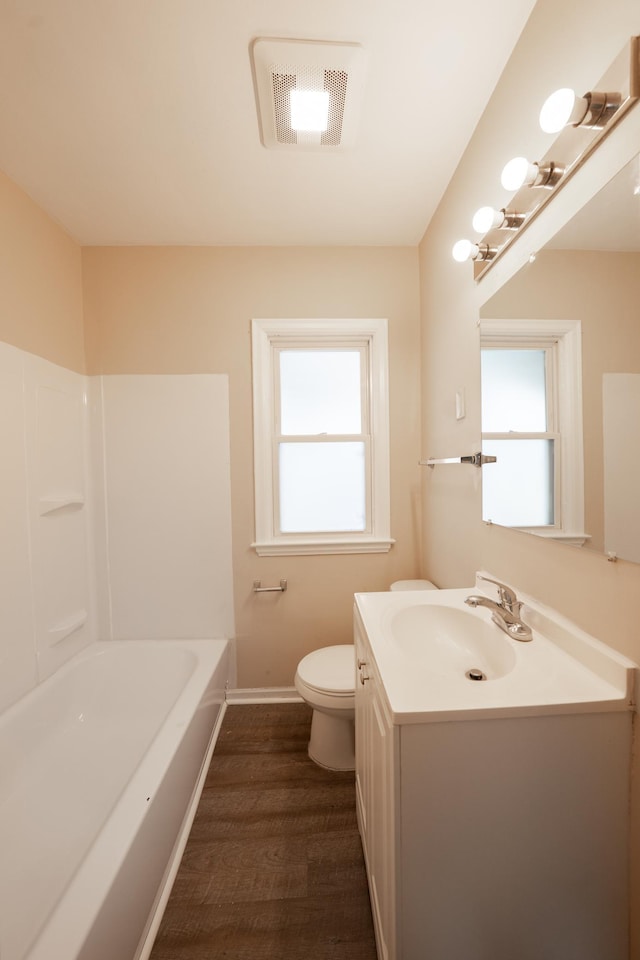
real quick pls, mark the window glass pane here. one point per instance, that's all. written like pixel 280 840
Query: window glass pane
pixel 513 391
pixel 320 392
pixel 517 491
pixel 322 487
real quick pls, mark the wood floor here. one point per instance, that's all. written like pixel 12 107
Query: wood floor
pixel 273 869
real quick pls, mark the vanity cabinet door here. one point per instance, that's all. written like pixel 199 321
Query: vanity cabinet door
pixel 363 737
pixel 376 763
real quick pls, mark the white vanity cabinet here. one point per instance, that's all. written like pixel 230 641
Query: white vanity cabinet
pixel 492 839
pixel 377 759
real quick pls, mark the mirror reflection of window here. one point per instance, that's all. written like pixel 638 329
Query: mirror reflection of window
pixel 519 429
pixel 514 390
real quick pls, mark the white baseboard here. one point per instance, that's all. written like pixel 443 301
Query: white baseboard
pixel 263 695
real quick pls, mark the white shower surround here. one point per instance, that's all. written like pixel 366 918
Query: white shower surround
pixel 163 500
pixel 46 559
pixel 115 514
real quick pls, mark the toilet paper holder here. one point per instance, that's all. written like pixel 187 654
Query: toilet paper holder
pixel 258 589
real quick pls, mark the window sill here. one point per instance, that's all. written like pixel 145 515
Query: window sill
pixel 573 539
pixel 275 548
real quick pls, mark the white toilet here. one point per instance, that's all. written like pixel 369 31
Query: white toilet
pixel 413 585
pixel 326 680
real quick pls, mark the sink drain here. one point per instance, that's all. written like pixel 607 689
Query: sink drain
pixel 475 674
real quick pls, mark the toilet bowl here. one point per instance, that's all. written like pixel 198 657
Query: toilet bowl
pixel 326 679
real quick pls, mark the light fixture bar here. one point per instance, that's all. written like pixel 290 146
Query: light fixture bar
pixel 572 118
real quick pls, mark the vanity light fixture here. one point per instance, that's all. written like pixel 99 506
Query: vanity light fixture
pixel 466 250
pixel 565 108
pixel 520 172
pixel 562 113
pixel 486 218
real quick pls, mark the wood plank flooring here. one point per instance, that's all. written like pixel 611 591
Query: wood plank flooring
pixel 273 869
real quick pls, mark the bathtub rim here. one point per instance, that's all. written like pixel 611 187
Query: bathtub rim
pixel 148 937
pixel 67 927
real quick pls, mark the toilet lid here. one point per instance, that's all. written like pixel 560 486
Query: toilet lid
pixel 330 668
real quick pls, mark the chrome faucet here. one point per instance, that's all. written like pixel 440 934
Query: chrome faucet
pixel 505 614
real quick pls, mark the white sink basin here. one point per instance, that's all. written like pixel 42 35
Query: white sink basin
pixel 424 644
pixel 451 642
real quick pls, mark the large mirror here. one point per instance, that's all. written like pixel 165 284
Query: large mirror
pixel 582 287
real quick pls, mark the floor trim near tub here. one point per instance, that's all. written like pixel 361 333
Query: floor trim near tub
pixel 263 695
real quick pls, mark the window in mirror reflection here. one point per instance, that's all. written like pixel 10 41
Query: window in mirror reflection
pixel 519 428
pixel 514 390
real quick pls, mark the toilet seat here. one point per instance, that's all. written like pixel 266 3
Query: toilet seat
pixel 330 671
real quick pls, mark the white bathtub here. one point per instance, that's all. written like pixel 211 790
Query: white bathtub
pixel 101 768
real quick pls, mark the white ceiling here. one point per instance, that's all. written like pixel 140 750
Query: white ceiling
pixel 134 121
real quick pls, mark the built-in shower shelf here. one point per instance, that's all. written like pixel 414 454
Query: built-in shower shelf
pixel 66 627
pixel 51 504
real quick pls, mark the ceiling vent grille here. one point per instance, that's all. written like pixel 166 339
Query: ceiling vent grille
pixel 281 66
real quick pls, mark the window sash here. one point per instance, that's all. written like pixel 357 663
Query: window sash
pixel 555 440
pixel 339 438
pixel 549 347
pixel 360 346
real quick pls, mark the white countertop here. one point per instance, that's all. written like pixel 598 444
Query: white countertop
pixel 562 670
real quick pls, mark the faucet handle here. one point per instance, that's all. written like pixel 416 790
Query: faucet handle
pixel 508 597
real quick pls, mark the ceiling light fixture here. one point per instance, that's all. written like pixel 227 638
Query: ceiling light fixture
pixel 308 92
pixel 466 250
pixel 520 172
pixel 309 110
pixel 565 108
pixel 487 218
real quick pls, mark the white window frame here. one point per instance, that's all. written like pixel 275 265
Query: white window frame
pixel 566 399
pixel 270 336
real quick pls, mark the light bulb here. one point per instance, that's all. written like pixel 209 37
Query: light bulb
pixel 486 218
pixel 464 250
pixel 309 110
pixel 518 172
pixel 562 109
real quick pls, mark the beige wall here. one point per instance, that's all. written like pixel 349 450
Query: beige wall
pixel 40 282
pixel 188 309
pixel 563 44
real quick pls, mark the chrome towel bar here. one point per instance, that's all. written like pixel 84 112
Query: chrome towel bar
pixel 476 459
